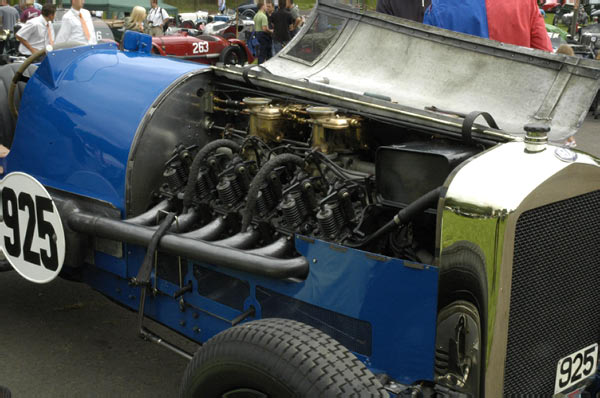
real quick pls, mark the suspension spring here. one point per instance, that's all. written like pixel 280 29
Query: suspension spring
pixel 291 211
pixel 326 220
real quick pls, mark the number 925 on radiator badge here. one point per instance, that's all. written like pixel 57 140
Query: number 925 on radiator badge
pixel 31 232
pixel 576 367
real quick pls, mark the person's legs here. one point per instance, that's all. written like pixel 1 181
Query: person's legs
pixel 264 46
pixel 277 46
pixel 157 31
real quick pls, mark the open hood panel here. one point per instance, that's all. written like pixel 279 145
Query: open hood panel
pixel 415 67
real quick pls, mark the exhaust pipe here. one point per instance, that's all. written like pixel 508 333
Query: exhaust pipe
pixel 208 232
pixel 150 217
pixel 241 240
pixel 208 252
pixel 276 249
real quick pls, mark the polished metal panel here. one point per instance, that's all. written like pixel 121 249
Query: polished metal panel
pixel 485 198
pixel 420 66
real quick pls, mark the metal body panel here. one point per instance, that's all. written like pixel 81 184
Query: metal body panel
pixel 81 111
pixel 428 66
pixel 342 280
pixel 503 183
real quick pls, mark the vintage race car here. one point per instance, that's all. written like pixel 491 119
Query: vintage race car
pixel 192 45
pixel 326 225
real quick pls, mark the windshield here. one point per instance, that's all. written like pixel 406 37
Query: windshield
pixel 323 31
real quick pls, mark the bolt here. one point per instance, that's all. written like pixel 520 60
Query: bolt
pixel 131 297
pixel 195 315
pixel 182 323
pixel 314 260
pixel 196 329
pixel 118 290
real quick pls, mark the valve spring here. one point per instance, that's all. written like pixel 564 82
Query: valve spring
pixel 291 211
pixel 204 184
pixel 326 220
pixel 269 197
pixel 173 179
pixel 226 192
pixel 338 213
pixel 300 202
pixel 181 170
pixel 235 185
pixel 261 204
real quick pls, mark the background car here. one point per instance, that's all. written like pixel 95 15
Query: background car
pixel 193 45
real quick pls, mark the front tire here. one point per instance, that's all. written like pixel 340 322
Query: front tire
pixel 276 358
pixel 231 55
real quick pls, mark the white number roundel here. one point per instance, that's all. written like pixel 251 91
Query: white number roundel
pixel 31 232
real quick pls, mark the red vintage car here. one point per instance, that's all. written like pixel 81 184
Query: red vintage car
pixel 190 44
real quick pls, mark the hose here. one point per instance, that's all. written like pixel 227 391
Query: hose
pixel 261 178
pixel 418 206
pixel 195 168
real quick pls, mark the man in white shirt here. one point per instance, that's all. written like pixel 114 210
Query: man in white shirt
pixel 77 25
pixel 38 32
pixel 157 18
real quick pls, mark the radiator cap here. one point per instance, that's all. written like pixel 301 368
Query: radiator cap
pixel 536 137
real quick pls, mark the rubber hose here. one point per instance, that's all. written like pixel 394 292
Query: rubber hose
pixel 195 168
pixel 416 207
pixel 260 178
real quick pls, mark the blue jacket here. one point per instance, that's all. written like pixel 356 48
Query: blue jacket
pixel 465 16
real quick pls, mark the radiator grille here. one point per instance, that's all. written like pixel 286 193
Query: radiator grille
pixel 555 297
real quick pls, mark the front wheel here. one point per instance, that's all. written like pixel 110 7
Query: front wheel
pixel 276 358
pixel 458 354
pixel 247 14
pixel 231 55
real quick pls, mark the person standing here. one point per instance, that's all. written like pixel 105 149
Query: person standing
pixel 10 16
pixel 76 25
pixel 29 12
pixel 515 22
pixel 222 6
pixel 296 15
pixel 282 21
pixel 157 19
pixel 135 21
pixel 408 9
pixel 263 32
pixel 38 32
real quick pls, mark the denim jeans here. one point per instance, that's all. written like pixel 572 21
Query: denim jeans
pixel 277 46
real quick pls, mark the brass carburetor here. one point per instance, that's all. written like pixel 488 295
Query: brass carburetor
pixel 266 121
pixel 335 134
